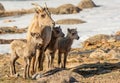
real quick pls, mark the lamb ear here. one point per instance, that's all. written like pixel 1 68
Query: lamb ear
pixel 69 30
pixel 32 34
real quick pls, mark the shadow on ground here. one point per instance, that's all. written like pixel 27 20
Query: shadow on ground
pixel 89 70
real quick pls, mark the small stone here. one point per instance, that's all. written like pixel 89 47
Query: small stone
pixel 36 76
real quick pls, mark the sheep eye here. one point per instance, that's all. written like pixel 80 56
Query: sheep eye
pixel 73 33
pixel 43 15
pixel 58 31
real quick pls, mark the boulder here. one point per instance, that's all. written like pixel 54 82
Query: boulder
pixel 53 10
pixel 60 76
pixel 68 9
pixel 114 53
pixel 99 38
pixel 86 4
pixel 13 29
pixel 98 54
pixel 2 7
pixel 106 54
pixel 117 33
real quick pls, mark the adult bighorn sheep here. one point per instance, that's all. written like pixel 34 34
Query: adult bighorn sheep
pixel 42 23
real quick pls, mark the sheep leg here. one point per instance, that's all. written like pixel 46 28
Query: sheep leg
pixel 49 60
pixel 41 60
pixel 52 58
pixel 32 65
pixel 36 60
pixel 28 68
pixel 65 59
pixel 59 58
pixel 25 68
pixel 12 64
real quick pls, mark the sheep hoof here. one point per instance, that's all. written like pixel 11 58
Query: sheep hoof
pixel 15 75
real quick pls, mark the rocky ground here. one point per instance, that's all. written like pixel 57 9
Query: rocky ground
pixel 98 61
pixel 80 69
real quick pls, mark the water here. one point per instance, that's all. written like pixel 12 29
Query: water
pixel 100 20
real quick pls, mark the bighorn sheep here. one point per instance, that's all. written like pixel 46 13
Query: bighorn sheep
pixel 64 45
pixel 26 50
pixel 50 50
pixel 42 23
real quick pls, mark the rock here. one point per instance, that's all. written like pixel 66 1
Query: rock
pixel 69 21
pixel 117 33
pixel 65 9
pixel 63 76
pixel 36 76
pixel 86 4
pixel 8 41
pixel 8 20
pixel 53 10
pixel 111 39
pixel 16 12
pixel 98 54
pixel 99 38
pixel 114 53
pixel 68 9
pixel 106 54
pixel 13 29
pixel 2 7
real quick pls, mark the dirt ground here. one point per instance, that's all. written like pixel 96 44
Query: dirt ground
pixel 80 69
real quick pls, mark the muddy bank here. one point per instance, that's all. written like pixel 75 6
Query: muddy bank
pixel 16 12
pixel 14 29
pixel 8 41
pixel 70 21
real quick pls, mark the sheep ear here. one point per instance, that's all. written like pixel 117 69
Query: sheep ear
pixel 69 30
pixel 36 10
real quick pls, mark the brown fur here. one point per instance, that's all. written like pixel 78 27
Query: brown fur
pixel 42 23
pixel 50 51
pixel 26 50
pixel 64 45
